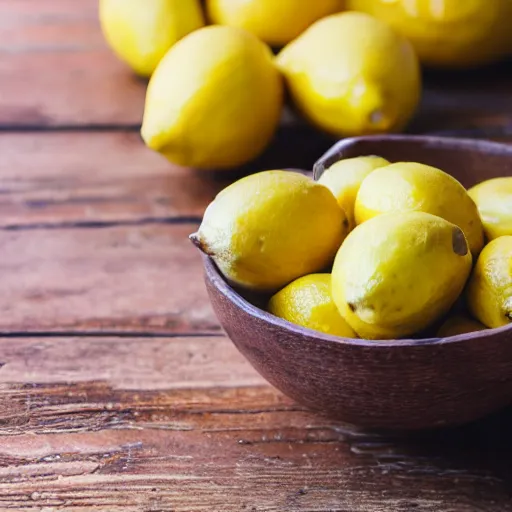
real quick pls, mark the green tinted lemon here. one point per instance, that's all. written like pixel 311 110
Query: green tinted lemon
pixel 399 272
pixel 307 301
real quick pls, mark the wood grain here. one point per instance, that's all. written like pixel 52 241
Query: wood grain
pixel 129 363
pixel 56 70
pixel 76 178
pixel 123 278
pixel 90 88
pixel 474 103
pixel 108 443
pixel 136 402
pixel 56 25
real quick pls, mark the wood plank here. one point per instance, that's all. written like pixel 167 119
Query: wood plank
pixel 60 178
pixel 120 278
pixel 56 70
pixel 58 25
pixel 82 436
pixel 66 89
pixel 127 363
pixel 474 103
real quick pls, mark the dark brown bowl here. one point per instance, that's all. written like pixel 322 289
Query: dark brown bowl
pixel 397 384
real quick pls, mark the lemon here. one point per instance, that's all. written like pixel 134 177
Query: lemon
pixel 494 201
pixel 215 99
pixel 399 272
pixel 307 301
pixel 350 74
pixel 344 178
pixel 413 186
pixel 490 286
pixel 454 33
pixel 270 228
pixel 459 324
pixel 276 22
pixel 140 31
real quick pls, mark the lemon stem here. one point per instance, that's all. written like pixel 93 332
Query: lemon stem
pixel 196 240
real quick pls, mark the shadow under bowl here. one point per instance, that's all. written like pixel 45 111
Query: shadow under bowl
pixel 386 385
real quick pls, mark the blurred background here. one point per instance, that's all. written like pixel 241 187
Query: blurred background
pixel 59 72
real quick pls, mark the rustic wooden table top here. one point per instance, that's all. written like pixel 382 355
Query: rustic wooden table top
pixel 118 390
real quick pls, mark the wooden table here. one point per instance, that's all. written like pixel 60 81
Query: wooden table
pixel 118 390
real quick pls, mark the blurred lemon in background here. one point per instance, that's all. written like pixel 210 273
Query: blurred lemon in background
pixel 276 22
pixel 453 33
pixel 141 31
pixel 350 74
pixel 215 99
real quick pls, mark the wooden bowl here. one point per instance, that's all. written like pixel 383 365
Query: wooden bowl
pixel 394 384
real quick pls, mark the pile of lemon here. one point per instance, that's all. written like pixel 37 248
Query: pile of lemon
pixel 372 249
pixel 216 93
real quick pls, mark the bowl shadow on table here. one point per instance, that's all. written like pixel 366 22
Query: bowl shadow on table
pixel 482 448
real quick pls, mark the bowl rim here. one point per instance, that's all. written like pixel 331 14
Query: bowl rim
pixel 332 155
pixel 215 277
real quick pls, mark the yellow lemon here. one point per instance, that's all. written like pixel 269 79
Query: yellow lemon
pixel 140 31
pixel 397 273
pixel 412 186
pixel 344 178
pixel 490 286
pixel 350 74
pixel 215 99
pixel 494 201
pixel 455 33
pixel 276 22
pixel 270 228
pixel 307 301
pixel 459 324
